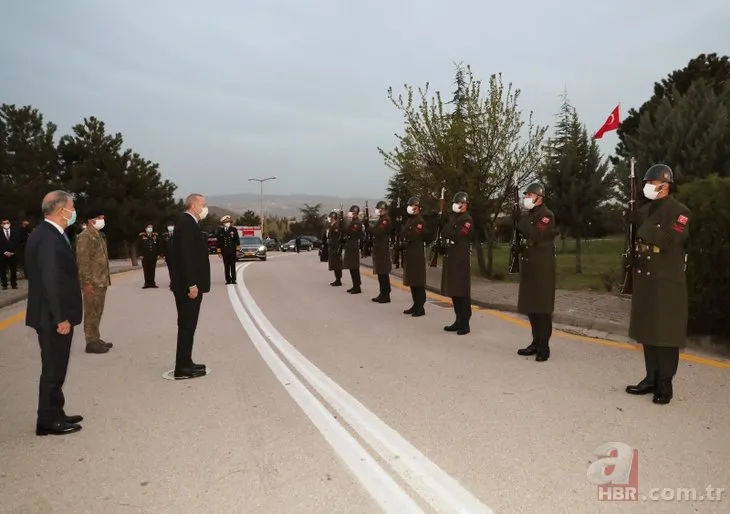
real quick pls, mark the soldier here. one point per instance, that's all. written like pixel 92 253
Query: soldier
pixel 352 235
pixel 335 249
pixel 659 301
pixel 166 249
pixel 148 243
pixel 456 270
pixel 537 271
pixel 324 249
pixel 92 261
pixel 413 235
pixel 227 244
pixel 381 251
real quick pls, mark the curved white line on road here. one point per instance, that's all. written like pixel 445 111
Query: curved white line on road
pixel 379 484
pixel 434 485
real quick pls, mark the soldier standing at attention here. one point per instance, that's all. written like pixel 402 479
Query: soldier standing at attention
pixel 382 264
pixel 456 272
pixel 334 260
pixel 351 261
pixel 92 261
pixel 537 271
pixel 149 251
pixel 227 244
pixel 659 305
pixel 166 249
pixel 414 257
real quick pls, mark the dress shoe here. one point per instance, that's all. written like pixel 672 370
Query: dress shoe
pixel 355 290
pixel 57 428
pixel 384 299
pixel 410 310
pixel 531 349
pixel 336 283
pixel 73 419
pixel 96 347
pixel 153 286
pixel 376 299
pixel 420 311
pixel 453 327
pixel 664 392
pixel 184 373
pixel 463 331
pixel 198 366
pixel 234 282
pixel 542 355
pixel 646 386
pixel 350 290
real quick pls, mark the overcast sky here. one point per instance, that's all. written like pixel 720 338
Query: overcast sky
pixel 224 90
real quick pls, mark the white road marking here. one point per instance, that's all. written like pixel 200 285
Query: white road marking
pixel 379 484
pixel 434 485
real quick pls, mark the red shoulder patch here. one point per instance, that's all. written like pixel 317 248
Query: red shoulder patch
pixel 678 227
pixel 465 228
pixel 384 222
pixel 419 228
pixel 682 220
pixel 545 220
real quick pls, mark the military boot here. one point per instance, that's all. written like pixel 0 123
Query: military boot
pixel 410 310
pixel 106 343
pixel 96 347
pixel 454 326
pixel 664 392
pixel 382 299
pixel 646 386
pixel 355 290
pixel 543 353
pixel 528 350
pixel 336 283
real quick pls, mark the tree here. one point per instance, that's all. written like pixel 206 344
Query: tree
pixel 28 161
pixel 577 177
pixel 249 219
pixel 311 223
pixel 479 147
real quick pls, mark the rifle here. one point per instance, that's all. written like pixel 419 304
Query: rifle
pixel 396 235
pixel 342 229
pixel 515 248
pixel 438 246
pixel 629 257
pixel 366 243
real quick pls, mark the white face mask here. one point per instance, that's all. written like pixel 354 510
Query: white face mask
pixel 227 225
pixel 148 230
pixel 99 224
pixel 6 226
pixel 650 191
pixel 411 210
pixel 349 215
pixel 528 203
pixel 170 228
pixel 204 213
pixel 456 207
pixel 377 212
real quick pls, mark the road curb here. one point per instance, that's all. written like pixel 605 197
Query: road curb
pixel 7 302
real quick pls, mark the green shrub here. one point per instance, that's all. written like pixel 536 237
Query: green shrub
pixel 708 255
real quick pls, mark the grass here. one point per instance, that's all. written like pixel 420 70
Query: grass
pixel 601 260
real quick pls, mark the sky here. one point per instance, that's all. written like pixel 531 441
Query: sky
pixel 221 91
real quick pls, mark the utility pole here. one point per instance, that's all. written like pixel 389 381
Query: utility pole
pixel 261 199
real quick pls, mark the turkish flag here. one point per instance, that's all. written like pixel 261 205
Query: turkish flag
pixel 610 124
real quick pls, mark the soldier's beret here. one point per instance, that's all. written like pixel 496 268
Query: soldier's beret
pixel 93 213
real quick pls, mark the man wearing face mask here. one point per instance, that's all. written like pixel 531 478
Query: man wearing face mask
pixel 92 260
pixel 227 243
pixel 537 271
pixel 382 264
pixel 166 249
pixel 190 280
pixel 353 233
pixel 413 234
pixel 149 250
pixel 659 301
pixel 10 245
pixel 334 261
pixel 456 273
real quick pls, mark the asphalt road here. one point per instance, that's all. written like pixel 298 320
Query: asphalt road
pixel 319 401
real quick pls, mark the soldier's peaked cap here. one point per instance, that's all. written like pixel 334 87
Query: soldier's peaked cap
pixel 225 218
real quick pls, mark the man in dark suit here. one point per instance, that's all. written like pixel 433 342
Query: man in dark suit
pixel 11 242
pixel 54 308
pixel 190 279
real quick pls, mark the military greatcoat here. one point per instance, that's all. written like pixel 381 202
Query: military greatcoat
pixel 382 264
pixel 334 260
pixel 457 233
pixel 353 234
pixel 413 236
pixel 537 262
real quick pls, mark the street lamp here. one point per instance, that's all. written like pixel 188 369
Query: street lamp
pixel 261 184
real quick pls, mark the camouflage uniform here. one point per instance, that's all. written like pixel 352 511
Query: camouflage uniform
pixel 92 260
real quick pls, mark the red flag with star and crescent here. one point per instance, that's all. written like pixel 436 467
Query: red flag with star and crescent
pixel 611 124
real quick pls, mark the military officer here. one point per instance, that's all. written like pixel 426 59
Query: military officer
pixel 148 243
pixel 334 239
pixel 227 244
pixel 413 234
pixel 92 260
pixel 456 271
pixel 382 264
pixel 537 270
pixel 324 249
pixel 352 235
pixel 166 248
pixel 659 301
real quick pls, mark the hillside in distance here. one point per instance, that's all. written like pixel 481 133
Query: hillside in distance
pixel 285 205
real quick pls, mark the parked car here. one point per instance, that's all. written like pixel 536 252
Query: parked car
pixel 251 247
pixel 291 246
pixel 315 241
pixel 212 242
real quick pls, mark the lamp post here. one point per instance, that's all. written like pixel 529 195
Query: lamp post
pixel 261 184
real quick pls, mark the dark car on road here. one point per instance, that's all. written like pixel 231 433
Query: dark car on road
pixel 251 248
pixel 291 246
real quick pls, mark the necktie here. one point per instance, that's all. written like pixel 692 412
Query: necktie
pixel 7 235
pixel 66 238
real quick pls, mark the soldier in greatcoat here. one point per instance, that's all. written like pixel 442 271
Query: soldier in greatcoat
pixel 458 233
pixel 413 236
pixel 659 305
pixel 334 240
pixel 352 234
pixel 537 270
pixel 382 263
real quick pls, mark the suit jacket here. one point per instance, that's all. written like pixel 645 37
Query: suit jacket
pixel 189 256
pixel 54 290
pixel 14 244
pixel 92 258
